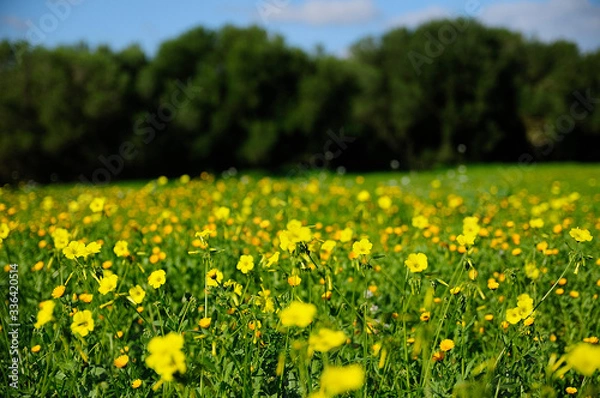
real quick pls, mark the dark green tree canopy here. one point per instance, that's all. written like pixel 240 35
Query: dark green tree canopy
pixel 213 99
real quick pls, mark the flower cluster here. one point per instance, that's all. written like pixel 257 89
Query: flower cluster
pixel 76 249
pixel 166 356
pixel 294 234
pixel 522 312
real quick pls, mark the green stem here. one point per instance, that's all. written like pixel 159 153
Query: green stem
pixel 551 288
pixel 428 362
pixel 357 313
pixel 285 348
pixel 365 343
pixel 205 288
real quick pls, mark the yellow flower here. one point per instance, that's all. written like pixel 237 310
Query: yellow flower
pixel 246 263
pixel 38 266
pixel 157 278
pixel 61 238
pixel 272 260
pixel 591 340
pixel 362 247
pixel 340 379
pixel 525 305
pixel 455 290
pixel 205 233
pixel 465 240
pixel 298 314
pixel 446 345
pixel 363 196
pixel 325 340
pixel 92 248
pixel 584 358
pixel 376 349
pixel 328 246
pixel 48 203
pixel 83 323
pixel 121 361
pixel 136 383
pixel 214 277
pixel 385 202
pixel 571 390
pixel 166 355
pixel 532 271
pixel 222 213
pixel 513 315
pixel 253 325
pixel 285 242
pixel 86 298
pixel 420 222
pixel 36 348
pixel 4 230
pixel 265 300
pixel 416 262
pixel 45 313
pixel 237 288
pixel 580 235
pixel 471 226
pixel 121 249
pixel 108 284
pixel 297 233
pixel 97 204
pixel 73 206
pixel 473 274
pixel 493 284
pixel 346 235
pixel 137 294
pixel 204 323
pixel 58 291
pixel 294 280
pixel 74 249
pixel 536 223
pixel 524 298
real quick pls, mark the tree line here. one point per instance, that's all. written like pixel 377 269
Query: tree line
pixel 446 92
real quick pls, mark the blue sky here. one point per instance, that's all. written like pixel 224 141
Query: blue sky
pixel 335 24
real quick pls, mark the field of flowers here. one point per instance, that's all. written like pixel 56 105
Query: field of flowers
pixel 467 282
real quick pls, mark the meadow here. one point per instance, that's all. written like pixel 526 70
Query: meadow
pixel 466 282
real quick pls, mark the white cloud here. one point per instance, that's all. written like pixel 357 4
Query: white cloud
pixel 574 20
pixel 14 22
pixel 415 18
pixel 327 12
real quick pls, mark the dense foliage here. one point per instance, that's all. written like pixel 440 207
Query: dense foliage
pixel 212 99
